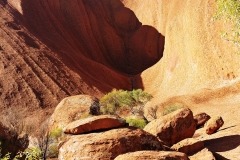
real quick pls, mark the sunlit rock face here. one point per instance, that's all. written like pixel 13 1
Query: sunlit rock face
pixel 196 59
pixel 54 49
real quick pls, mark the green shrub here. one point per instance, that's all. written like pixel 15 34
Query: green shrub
pixel 28 154
pixel 32 153
pixel 229 11
pixel 171 108
pixel 53 150
pixel 85 115
pixel 56 133
pixel 139 123
pixel 117 100
pixel 6 157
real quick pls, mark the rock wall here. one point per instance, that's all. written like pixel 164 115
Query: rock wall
pixel 53 49
pixel 196 59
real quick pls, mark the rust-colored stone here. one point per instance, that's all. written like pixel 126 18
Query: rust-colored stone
pixel 173 127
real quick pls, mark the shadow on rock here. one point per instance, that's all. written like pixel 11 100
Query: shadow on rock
pixel 226 128
pixel 223 144
pixel 219 157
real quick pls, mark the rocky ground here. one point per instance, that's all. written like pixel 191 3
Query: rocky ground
pixel 225 142
pixel 53 49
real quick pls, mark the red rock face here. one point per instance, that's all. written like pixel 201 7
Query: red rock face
pixel 105 32
pixel 53 49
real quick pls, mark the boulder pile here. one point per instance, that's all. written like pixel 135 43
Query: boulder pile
pixel 110 137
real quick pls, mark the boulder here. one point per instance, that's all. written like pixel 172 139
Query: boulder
pixel 201 119
pixel 203 154
pixel 70 109
pixel 108 145
pixel 188 146
pixel 149 155
pixel 214 124
pixel 95 123
pixel 173 127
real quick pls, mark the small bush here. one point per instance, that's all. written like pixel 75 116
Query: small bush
pixel 56 133
pixel 53 150
pixel 28 154
pixel 85 115
pixel 5 157
pixel 32 154
pixel 171 108
pixel 117 100
pixel 139 123
pixel 229 11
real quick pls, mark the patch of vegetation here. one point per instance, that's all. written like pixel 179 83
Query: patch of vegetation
pixel 48 140
pixel 85 115
pixel 171 108
pixel 53 150
pixel 28 154
pixel 139 123
pixel 117 100
pixel 5 157
pixel 56 133
pixel 229 11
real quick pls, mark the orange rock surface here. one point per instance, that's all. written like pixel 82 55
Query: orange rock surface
pixel 52 49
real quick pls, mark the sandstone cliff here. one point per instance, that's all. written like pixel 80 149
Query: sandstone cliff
pixel 52 49
pixel 196 59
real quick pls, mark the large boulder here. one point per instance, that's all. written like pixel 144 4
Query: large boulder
pixel 201 119
pixel 173 127
pixel 149 155
pixel 214 124
pixel 189 146
pixel 94 123
pixel 108 145
pixel 70 109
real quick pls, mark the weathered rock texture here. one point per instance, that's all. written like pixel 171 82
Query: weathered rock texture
pixel 102 122
pixel 189 146
pixel 54 49
pixel 70 109
pixel 213 124
pixel 108 145
pixel 195 56
pixel 173 127
pixel 201 119
pixel 150 155
pixel 51 52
